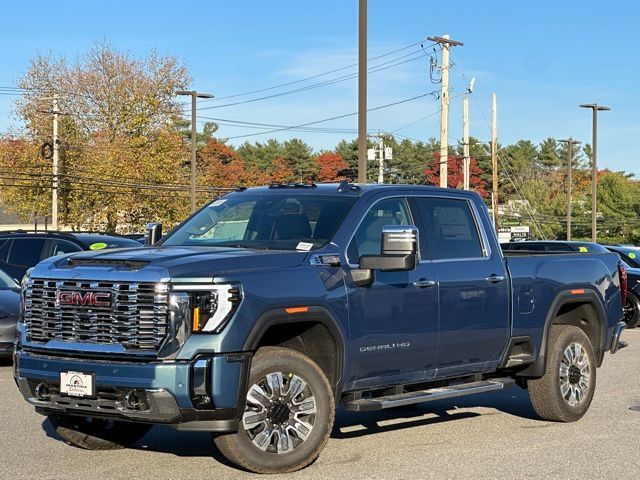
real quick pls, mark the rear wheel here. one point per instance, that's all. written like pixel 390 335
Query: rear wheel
pixel 632 311
pixel 96 433
pixel 288 416
pixel 565 391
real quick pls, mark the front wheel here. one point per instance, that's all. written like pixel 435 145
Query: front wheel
pixel 96 433
pixel 565 391
pixel 288 416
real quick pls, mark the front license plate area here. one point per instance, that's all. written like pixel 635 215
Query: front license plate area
pixel 76 384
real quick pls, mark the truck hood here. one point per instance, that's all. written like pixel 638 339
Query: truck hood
pixel 164 263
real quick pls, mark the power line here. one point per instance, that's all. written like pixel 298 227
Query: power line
pixel 337 117
pixel 312 77
pixel 417 55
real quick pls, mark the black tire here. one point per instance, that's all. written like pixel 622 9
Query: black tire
pixel 97 434
pixel 632 311
pixel 546 392
pixel 239 447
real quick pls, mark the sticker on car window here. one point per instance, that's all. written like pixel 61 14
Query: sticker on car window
pixel 97 246
pixel 583 249
pixel 304 246
pixel 632 255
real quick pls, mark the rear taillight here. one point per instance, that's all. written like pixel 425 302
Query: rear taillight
pixel 623 282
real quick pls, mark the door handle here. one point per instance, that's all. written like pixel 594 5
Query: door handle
pixel 495 278
pixel 424 283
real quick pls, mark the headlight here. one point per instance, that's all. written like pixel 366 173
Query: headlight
pixel 23 290
pixel 25 279
pixel 212 306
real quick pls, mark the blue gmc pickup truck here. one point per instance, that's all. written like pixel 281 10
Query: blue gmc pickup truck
pixel 261 313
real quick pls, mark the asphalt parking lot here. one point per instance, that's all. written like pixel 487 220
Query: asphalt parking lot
pixel 488 436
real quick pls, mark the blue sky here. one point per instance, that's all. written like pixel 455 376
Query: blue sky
pixel 541 58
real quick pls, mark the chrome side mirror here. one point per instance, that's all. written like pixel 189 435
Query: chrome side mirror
pixel 152 234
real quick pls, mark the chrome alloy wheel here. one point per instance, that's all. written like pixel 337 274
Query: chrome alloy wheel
pixel 575 374
pixel 280 412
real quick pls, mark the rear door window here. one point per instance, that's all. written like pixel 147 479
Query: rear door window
pixel 62 247
pixel 5 246
pixel 450 227
pixel 26 252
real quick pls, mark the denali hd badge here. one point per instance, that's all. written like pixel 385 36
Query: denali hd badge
pixel 92 299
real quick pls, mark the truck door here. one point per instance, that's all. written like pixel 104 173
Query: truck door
pixel 472 284
pixel 393 323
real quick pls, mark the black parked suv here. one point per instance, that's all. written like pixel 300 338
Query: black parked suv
pixel 21 250
pixel 630 256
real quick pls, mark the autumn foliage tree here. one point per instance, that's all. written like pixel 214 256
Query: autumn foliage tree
pixel 222 167
pixel 455 178
pixel 329 166
pixel 121 156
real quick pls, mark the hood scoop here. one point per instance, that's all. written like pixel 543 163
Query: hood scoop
pixel 105 262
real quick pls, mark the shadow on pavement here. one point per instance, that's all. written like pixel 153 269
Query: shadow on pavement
pixel 513 401
pixel 6 362
pixel 164 439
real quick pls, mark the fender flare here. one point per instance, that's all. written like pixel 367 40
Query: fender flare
pixel 315 314
pixel 565 297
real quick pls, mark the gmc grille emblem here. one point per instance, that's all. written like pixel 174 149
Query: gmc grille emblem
pixel 92 299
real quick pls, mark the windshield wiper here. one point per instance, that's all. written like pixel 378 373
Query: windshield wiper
pixel 241 245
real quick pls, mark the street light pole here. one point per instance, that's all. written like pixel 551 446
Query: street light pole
pixel 594 164
pixel 193 95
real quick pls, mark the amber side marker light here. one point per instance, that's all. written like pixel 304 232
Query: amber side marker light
pixel 296 309
pixel 577 291
pixel 196 319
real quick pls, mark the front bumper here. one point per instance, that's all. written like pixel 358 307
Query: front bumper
pixel 7 337
pixel 174 393
pixel 6 349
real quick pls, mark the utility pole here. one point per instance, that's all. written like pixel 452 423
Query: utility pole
pixel 594 166
pixel 380 158
pixel 465 142
pixel 54 190
pixel 494 160
pixel 362 91
pixel 570 143
pixel 194 95
pixel 446 43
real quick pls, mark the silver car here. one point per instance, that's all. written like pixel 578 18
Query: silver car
pixel 9 301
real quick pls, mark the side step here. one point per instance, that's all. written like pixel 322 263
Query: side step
pixel 409 398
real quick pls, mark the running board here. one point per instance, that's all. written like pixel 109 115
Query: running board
pixel 409 398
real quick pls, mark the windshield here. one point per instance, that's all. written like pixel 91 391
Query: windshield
pixel 6 281
pixel 286 221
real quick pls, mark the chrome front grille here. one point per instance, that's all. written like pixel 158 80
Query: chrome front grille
pixel 137 317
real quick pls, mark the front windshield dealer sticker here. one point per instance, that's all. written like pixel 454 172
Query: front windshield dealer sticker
pixel 304 246
pixel 97 246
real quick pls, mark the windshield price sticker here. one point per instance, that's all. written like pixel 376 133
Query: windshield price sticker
pixel 76 384
pixel 304 246
pixel 97 246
